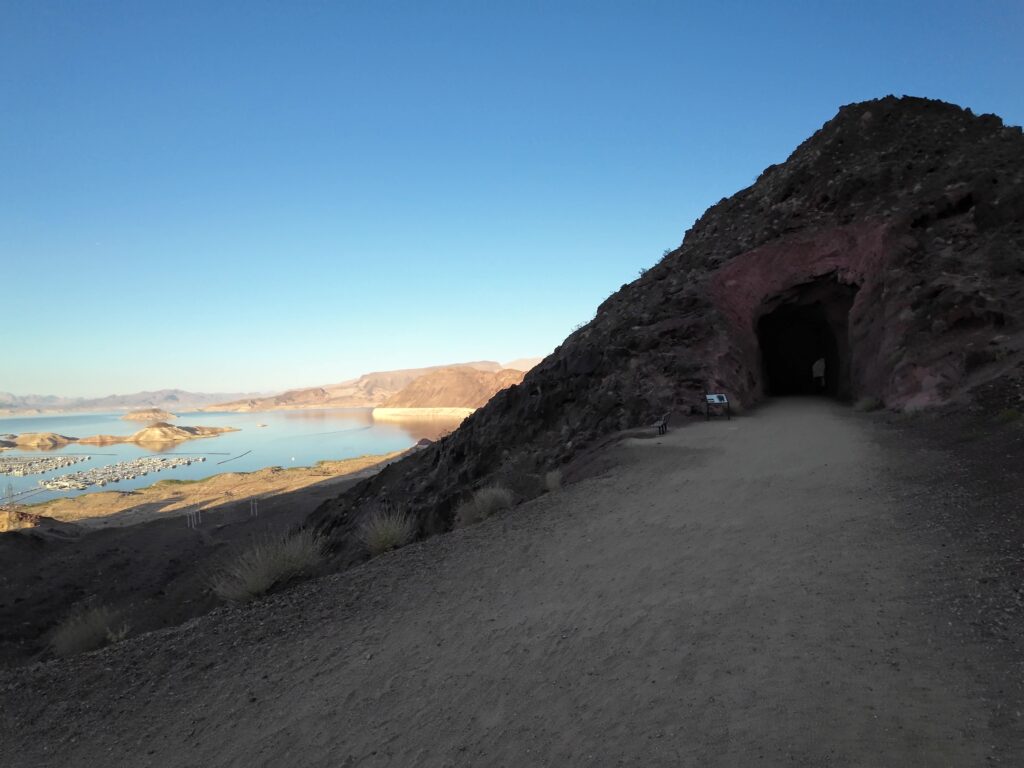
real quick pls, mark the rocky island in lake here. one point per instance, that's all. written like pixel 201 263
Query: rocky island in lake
pixel 158 432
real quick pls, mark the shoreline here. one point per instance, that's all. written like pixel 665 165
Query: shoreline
pixel 170 497
pixel 404 414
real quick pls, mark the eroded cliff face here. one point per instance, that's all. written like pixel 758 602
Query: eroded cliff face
pixel 890 245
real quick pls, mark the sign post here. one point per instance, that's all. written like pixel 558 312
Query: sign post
pixel 719 401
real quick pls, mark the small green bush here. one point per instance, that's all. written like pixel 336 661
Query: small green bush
pixel 86 631
pixel 387 529
pixel 553 480
pixel 1008 416
pixel 266 563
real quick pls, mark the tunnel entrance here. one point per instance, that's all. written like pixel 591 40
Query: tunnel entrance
pixel 804 340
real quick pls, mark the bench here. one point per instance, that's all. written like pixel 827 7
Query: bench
pixel 662 424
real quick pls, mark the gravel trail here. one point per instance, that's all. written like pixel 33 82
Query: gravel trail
pixel 761 591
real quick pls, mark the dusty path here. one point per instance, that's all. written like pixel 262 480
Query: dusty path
pixel 754 592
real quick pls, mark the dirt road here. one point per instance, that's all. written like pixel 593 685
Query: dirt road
pixel 765 591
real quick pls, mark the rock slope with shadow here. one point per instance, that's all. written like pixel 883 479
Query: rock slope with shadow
pixel 890 244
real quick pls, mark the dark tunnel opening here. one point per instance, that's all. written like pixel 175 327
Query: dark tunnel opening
pixel 804 341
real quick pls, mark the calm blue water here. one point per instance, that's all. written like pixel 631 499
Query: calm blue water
pixel 290 439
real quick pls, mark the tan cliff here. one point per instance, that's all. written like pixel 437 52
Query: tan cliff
pixel 453 388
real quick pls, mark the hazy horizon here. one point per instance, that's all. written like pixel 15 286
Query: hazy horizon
pixel 258 197
pixel 269 392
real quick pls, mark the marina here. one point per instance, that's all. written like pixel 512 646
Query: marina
pixel 290 438
pixel 115 473
pixel 22 466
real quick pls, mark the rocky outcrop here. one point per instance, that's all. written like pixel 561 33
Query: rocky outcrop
pixel 42 440
pixel 891 243
pixel 456 387
pixel 159 432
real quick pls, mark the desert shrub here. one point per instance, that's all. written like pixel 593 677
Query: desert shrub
pixel 491 499
pixel 1008 416
pixel 266 563
pixel 86 631
pixel 485 502
pixel 868 404
pixel 465 514
pixel 387 529
pixel 553 480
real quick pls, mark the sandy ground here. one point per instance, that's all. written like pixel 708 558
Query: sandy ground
pixel 767 591
pixel 116 508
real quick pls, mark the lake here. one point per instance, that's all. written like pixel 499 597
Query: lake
pixel 289 439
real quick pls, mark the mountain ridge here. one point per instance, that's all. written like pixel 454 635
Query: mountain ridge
pixel 163 399
pixel 369 390
pixel 365 391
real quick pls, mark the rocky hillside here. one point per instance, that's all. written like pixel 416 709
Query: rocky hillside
pixel 367 391
pixel 895 234
pixel 457 387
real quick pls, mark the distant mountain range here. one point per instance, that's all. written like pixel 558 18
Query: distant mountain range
pixel 165 399
pixel 461 385
pixel 464 390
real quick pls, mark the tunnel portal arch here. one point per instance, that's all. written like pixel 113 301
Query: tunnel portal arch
pixel 802 325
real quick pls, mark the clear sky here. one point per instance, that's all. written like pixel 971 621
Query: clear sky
pixel 249 196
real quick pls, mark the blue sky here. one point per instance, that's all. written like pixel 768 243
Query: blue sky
pixel 256 195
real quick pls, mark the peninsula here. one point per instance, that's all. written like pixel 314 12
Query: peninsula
pixel 158 432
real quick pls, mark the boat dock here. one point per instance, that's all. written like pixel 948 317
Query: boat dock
pixel 21 466
pixel 115 473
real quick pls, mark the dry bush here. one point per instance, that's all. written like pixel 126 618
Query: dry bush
pixel 386 529
pixel 485 502
pixel 553 480
pixel 868 404
pixel 86 631
pixel 266 563
pixel 491 499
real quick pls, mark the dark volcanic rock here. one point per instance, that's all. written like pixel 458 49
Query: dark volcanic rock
pixel 891 243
